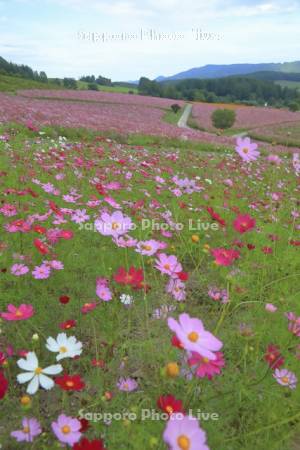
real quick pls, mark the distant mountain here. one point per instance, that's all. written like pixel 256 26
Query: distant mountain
pixel 221 71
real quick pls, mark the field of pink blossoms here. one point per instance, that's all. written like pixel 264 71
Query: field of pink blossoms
pixel 128 114
pixel 150 300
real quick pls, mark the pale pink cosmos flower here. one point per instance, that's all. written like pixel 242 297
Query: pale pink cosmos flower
pixel 127 384
pixel 103 292
pixel 114 225
pixel 270 307
pixel 67 429
pixel 193 336
pixel 285 378
pixel 41 272
pixel 176 288
pixel 19 269
pixel 184 433
pixel 247 149
pixel 30 429
pixel 168 265
pixel 80 216
pixel 148 248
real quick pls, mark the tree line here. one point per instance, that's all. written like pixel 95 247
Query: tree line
pixel 232 89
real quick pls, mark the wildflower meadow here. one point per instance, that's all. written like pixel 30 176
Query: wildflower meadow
pixel 149 293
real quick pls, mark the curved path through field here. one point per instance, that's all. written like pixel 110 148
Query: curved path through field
pixel 182 122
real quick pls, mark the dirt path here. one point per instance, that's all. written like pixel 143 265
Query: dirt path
pixel 182 122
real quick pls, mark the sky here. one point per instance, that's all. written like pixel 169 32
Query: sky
pixel 127 39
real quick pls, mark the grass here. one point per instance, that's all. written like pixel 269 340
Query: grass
pixel 83 85
pixel 253 410
pixel 171 117
pixel 13 84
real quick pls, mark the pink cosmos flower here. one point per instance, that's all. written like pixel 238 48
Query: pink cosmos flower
pixel 22 312
pixel 80 216
pixel 168 265
pixel 41 272
pixel 54 264
pixel 31 429
pixel 183 433
pixel 8 210
pixel 225 257
pixel 193 336
pixel 127 384
pixel 274 159
pixel 67 429
pixel 218 294
pixel 19 269
pixel 176 288
pixel 270 307
pixel 243 223
pixel 114 225
pixel 205 367
pixel 294 323
pixel 103 292
pixel 148 248
pixel 246 149
pixel 285 378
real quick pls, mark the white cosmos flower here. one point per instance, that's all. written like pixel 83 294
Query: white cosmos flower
pixel 66 347
pixel 35 374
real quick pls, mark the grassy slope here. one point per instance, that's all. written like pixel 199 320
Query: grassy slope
pixel 82 85
pixel 12 84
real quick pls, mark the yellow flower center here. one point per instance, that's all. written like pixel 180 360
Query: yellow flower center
pixel 205 360
pixel 193 336
pixel 115 225
pixel 285 379
pixel 26 430
pixel 66 429
pixel 147 248
pixel 70 383
pixel 63 349
pixel 245 150
pixel 19 313
pixel 38 370
pixel 169 409
pixel 183 442
pixel 167 266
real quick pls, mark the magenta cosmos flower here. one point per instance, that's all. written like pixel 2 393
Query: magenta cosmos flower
pixel 224 257
pixel 285 378
pixel 66 429
pixel 127 384
pixel 22 312
pixel 168 265
pixel 31 429
pixel 247 149
pixel 193 336
pixel 113 225
pixel 244 223
pixel 184 433
pixel 205 367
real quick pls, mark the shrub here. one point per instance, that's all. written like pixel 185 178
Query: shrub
pixel 175 108
pixel 294 106
pixel 223 118
pixel 93 87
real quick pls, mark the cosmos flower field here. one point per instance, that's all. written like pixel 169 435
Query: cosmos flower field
pixel 149 296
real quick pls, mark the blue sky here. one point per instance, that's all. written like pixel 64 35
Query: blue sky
pixel 46 35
